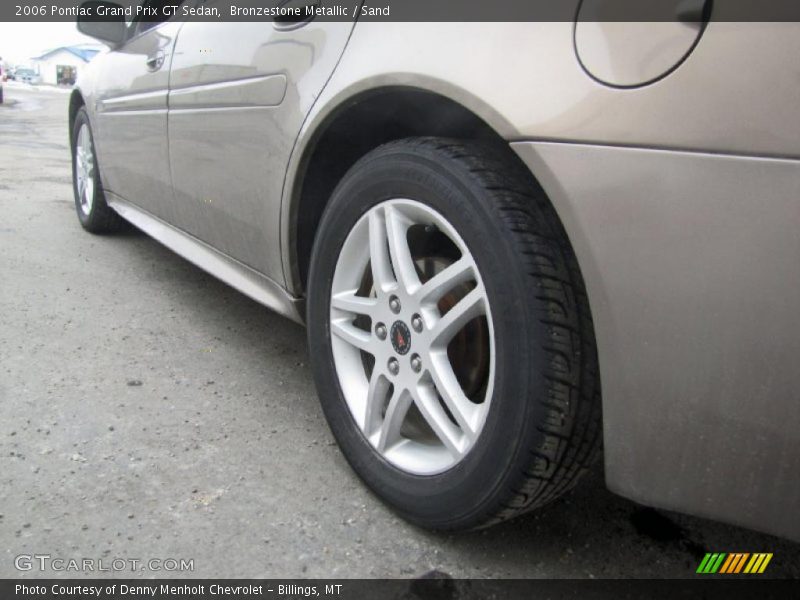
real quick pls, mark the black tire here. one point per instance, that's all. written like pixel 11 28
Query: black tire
pixel 543 429
pixel 101 218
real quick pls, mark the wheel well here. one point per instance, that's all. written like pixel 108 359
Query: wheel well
pixel 75 102
pixel 355 129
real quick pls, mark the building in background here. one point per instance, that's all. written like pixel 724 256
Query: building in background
pixel 60 66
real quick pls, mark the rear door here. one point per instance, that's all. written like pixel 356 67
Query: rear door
pixel 131 115
pixel 239 93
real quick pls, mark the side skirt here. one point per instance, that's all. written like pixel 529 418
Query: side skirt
pixel 251 283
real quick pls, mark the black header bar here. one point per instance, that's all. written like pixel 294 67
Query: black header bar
pixel 405 10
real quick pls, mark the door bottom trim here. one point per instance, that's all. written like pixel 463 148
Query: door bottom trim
pixel 249 282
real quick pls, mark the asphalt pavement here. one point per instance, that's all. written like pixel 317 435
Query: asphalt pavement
pixel 148 411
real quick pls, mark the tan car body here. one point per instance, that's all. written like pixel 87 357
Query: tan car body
pixel 680 194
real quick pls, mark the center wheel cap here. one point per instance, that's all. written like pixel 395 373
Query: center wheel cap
pixel 400 335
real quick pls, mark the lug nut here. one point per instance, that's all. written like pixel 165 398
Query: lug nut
pixel 416 323
pixel 394 366
pixel 394 304
pixel 380 331
pixel 416 363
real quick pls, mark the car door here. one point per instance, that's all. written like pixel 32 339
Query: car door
pixel 238 95
pixel 131 115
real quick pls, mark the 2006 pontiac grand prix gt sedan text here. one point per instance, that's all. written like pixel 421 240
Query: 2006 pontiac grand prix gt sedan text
pixel 492 231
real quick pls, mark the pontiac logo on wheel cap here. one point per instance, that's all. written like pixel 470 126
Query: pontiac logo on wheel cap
pixel 401 337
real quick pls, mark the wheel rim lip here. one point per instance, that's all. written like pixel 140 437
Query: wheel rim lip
pixel 84 170
pixel 408 455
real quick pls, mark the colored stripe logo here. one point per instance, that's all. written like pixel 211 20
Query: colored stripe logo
pixel 734 563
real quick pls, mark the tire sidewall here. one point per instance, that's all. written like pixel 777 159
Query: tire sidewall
pixel 463 495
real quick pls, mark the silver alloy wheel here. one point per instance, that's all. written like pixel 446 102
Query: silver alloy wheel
pixel 84 169
pixel 416 384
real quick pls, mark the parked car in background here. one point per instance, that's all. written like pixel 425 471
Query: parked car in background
pixel 507 240
pixel 26 75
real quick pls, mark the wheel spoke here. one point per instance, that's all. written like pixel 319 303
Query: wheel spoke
pixel 437 286
pixel 446 383
pixel 380 260
pixel 469 307
pixel 85 143
pixel 376 396
pixel 427 402
pixel 346 331
pixel 397 232
pixel 89 189
pixel 393 420
pixel 357 305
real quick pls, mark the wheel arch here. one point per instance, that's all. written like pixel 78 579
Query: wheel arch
pixel 356 125
pixel 76 101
